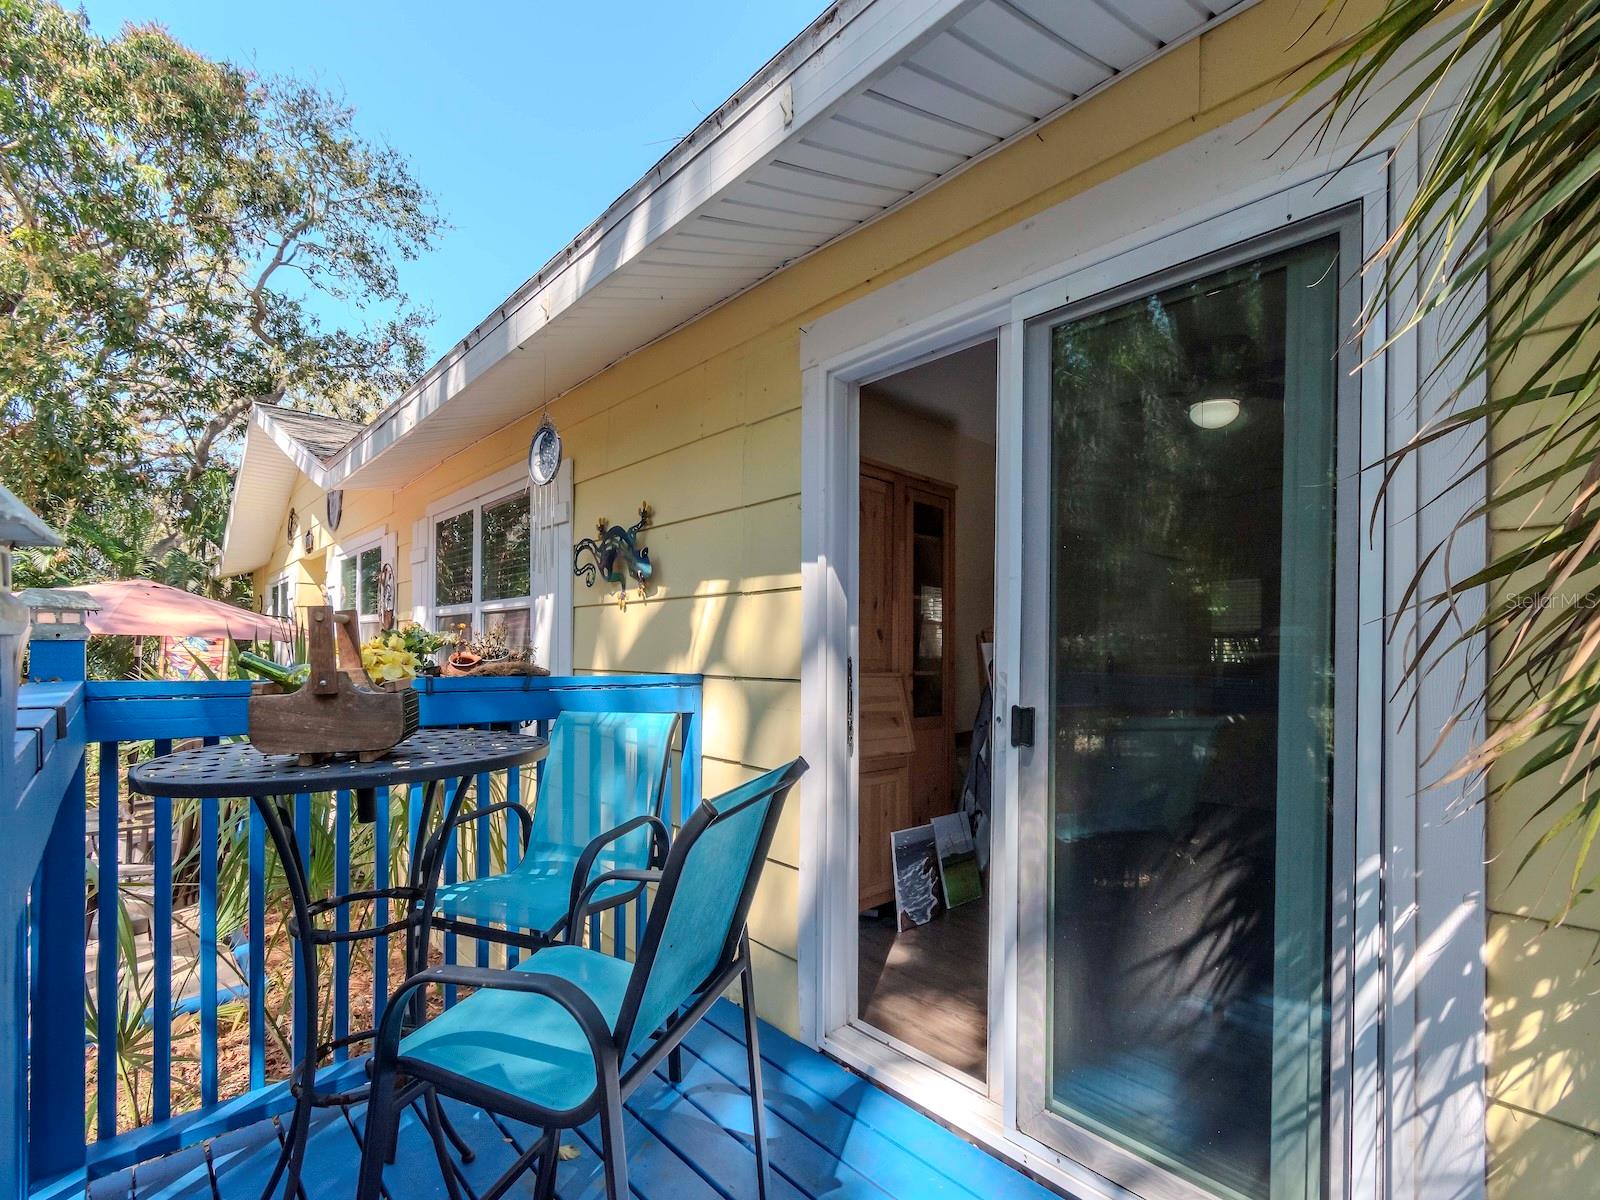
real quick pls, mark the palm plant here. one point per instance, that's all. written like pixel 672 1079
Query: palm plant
pixel 1512 187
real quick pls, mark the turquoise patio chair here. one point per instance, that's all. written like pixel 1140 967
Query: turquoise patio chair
pixel 570 1033
pixel 598 809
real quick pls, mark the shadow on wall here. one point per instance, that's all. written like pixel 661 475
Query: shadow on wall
pixel 1536 1158
pixel 752 667
pixel 1544 1058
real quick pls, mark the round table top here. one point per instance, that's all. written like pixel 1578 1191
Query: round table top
pixel 239 769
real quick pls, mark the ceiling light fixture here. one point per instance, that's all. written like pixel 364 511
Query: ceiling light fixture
pixel 1214 414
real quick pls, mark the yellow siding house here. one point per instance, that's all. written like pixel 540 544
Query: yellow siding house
pixel 986 367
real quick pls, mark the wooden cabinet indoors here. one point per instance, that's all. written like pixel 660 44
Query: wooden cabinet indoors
pixel 905 606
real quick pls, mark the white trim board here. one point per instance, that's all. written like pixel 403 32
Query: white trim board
pixel 1417 950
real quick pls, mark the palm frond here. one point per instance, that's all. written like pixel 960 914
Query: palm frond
pixel 1509 196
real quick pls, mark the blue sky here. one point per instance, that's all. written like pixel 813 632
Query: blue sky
pixel 525 119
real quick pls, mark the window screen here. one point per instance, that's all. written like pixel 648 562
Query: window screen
pixel 506 549
pixel 371 568
pixel 452 544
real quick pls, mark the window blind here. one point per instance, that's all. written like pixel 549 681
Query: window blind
pixel 452 572
pixel 506 549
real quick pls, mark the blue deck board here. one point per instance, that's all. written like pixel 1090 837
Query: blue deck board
pixel 893 1168
pixel 655 1171
pixel 978 1171
pixel 718 1157
pixel 713 1102
pixel 831 1136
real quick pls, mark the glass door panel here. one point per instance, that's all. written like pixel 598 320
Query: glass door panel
pixel 1188 601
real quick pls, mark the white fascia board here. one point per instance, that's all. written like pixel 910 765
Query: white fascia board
pixel 240 549
pixel 295 451
pixel 838 54
pixel 261 490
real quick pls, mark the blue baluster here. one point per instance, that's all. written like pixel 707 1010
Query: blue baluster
pixel 161 947
pixel 208 950
pixel 58 945
pixel 302 985
pixel 106 1006
pixel 257 954
pixel 451 874
pixel 485 797
pixel 380 916
pixel 341 921
pixel 513 840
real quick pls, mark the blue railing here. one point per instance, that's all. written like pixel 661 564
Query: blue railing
pixel 90 955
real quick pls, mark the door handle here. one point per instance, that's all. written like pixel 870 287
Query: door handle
pixel 850 705
pixel 1021 725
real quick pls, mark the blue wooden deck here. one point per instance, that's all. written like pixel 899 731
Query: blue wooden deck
pixel 831 1134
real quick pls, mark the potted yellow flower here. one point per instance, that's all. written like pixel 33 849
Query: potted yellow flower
pixel 388 661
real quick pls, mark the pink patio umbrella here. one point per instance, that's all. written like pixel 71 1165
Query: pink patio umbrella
pixel 145 608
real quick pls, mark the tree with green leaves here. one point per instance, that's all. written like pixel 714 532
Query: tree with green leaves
pixel 177 230
pixel 1510 195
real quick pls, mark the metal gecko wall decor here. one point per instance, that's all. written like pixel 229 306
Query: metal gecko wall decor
pixel 616 557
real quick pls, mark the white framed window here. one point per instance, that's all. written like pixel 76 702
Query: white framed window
pixel 358 579
pixel 278 600
pixel 483 568
pixel 494 561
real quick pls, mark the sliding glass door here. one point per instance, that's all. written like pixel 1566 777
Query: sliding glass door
pixel 1181 623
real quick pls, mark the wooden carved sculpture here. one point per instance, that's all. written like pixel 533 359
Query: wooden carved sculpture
pixel 337 710
pixel 617 557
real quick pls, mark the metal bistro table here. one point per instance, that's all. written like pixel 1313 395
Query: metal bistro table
pixel 433 757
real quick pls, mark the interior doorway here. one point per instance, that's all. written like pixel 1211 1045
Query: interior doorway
pixel 925 654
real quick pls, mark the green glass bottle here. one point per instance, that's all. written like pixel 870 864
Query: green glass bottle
pixel 289 678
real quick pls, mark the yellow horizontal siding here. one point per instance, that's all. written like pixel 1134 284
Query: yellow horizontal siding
pixel 1536 1158
pixel 1544 1055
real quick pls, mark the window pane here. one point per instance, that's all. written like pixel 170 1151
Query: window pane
pixel 1192 703
pixel 452 568
pixel 347 581
pixel 371 566
pixel 927 617
pixel 506 549
pixel 513 625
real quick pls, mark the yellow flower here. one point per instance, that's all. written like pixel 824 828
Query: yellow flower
pixel 385 659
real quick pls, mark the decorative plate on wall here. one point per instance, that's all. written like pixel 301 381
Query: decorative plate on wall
pixel 335 508
pixel 294 525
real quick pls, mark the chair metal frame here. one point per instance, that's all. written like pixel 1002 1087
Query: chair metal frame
pixel 397 1081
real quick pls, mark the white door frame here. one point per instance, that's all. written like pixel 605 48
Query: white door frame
pixel 1415 1124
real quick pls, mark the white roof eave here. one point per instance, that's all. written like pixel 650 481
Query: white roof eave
pixel 873 104
pixel 797 87
pixel 270 466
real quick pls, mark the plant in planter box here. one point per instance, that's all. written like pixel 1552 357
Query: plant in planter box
pixel 387 659
pixel 424 644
